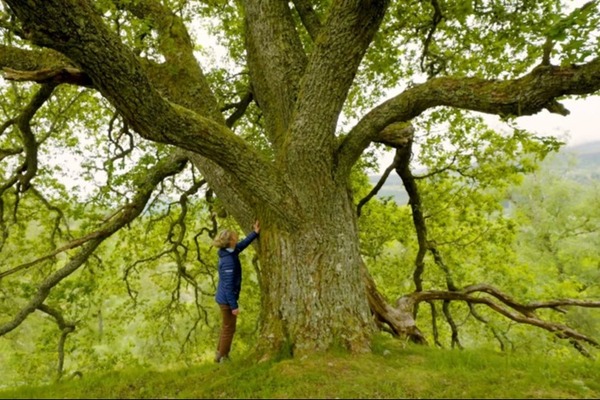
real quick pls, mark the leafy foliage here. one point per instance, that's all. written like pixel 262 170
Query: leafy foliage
pixel 106 221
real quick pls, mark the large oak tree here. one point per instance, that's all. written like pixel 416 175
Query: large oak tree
pixel 304 63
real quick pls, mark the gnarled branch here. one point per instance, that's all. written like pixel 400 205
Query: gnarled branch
pixel 166 167
pixel 527 95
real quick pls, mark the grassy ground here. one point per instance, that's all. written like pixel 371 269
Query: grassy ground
pixel 391 371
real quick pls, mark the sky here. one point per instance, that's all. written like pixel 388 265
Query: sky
pixel 581 126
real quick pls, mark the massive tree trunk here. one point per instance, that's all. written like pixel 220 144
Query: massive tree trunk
pixel 313 292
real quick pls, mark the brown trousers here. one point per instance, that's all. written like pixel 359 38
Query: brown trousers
pixel 227 330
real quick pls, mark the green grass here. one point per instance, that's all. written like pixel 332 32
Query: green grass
pixel 391 371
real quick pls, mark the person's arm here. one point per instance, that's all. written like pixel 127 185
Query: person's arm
pixel 241 245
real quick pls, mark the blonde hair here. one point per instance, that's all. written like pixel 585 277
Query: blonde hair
pixel 224 238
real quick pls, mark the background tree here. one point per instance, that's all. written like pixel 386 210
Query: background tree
pixel 269 139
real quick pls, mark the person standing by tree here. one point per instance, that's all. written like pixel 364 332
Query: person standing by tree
pixel 230 284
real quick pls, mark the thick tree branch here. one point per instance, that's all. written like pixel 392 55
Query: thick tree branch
pixel 181 80
pixel 224 184
pixel 343 41
pixel 309 17
pixel 181 68
pixel 74 29
pixel 276 63
pixel 188 87
pixel 173 36
pixel 32 60
pixel 527 95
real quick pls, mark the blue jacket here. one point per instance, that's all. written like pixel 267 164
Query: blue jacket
pixel 230 272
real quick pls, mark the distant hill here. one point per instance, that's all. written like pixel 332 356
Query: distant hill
pixel 580 163
pixel 393 187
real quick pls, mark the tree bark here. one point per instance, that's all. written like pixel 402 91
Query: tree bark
pixel 314 296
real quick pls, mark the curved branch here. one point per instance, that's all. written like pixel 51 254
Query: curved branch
pixel 240 108
pixel 7 124
pixel 532 306
pixel 507 308
pixel 398 136
pixel 121 153
pixel 66 328
pixel 377 187
pixel 437 18
pixel 60 216
pixel 10 152
pixel 29 143
pixel 343 41
pixel 527 95
pixel 47 285
pixel 166 167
